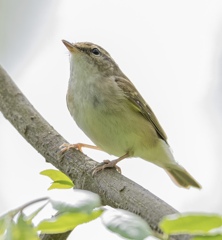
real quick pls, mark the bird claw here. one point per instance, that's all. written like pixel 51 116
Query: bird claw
pixel 66 146
pixel 105 164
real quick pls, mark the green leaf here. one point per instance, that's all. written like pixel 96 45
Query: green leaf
pixel 5 220
pixel 80 201
pixel 67 221
pixel 11 231
pixel 61 184
pixel 190 223
pixel 55 175
pixel 3 224
pixel 22 230
pixel 126 224
pixel 32 215
pixel 60 180
pixel 215 237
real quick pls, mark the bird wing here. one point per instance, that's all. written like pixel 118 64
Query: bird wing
pixel 140 105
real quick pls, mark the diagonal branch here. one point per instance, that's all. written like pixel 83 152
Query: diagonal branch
pixel 114 189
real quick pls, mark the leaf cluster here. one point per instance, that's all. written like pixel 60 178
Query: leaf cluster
pixel 16 225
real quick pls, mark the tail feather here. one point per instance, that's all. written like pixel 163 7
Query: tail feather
pixel 181 177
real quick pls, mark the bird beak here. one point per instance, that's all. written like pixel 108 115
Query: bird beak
pixel 70 46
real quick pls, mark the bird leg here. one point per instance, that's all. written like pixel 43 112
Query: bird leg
pixel 109 164
pixel 66 146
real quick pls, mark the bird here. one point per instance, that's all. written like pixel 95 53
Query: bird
pixel 109 109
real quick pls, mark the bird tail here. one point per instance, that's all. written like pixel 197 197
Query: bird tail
pixel 181 177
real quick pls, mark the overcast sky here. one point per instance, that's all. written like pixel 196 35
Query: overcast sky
pixel 171 50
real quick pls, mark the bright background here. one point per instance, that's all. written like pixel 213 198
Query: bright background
pixel 171 50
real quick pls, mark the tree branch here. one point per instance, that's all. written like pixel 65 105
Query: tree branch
pixel 114 189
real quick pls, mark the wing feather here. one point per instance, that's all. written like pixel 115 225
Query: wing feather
pixel 139 103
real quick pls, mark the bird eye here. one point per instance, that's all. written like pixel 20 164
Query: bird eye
pixel 96 51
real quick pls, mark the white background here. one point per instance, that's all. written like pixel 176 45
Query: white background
pixel 171 50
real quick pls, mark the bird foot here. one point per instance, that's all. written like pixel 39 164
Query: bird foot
pixel 66 146
pixel 106 164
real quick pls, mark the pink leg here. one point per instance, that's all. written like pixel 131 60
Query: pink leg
pixel 66 146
